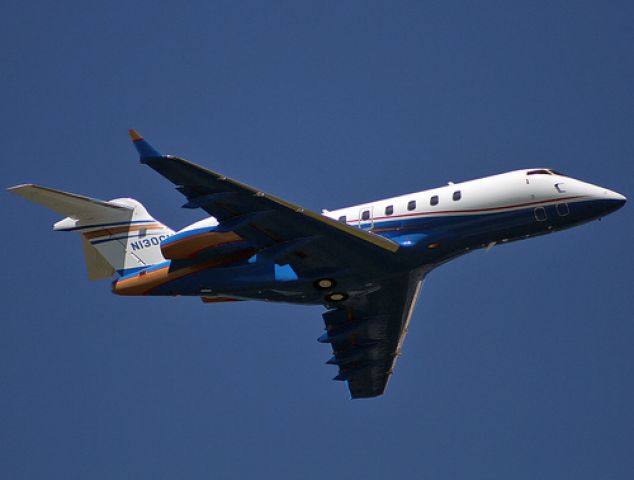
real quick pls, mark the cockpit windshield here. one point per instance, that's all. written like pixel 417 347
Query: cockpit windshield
pixel 544 171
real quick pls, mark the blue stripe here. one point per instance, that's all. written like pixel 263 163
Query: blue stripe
pixel 105 225
pixel 131 272
pixel 189 233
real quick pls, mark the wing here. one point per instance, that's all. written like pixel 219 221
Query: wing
pixel 366 334
pixel 311 243
pixel 366 338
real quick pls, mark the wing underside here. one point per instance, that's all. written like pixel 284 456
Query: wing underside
pixel 366 338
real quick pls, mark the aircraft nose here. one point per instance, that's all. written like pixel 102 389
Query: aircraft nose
pixel 615 196
pixel 613 200
pixel 602 201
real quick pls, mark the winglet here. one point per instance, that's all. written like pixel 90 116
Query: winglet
pixel 143 147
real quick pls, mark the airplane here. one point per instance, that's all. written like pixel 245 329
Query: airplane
pixel 365 264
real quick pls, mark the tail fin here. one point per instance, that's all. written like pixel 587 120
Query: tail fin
pixel 119 235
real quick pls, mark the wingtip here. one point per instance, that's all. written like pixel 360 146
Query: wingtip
pixel 143 147
pixel 134 135
pixel 22 186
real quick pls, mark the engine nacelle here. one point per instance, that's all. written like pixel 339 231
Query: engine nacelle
pixel 198 238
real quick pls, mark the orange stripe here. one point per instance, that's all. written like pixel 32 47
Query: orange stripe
pixel 190 246
pixel 145 282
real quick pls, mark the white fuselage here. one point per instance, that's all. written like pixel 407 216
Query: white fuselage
pixel 504 192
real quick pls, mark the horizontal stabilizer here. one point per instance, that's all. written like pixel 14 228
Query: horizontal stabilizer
pixel 117 236
pixel 69 204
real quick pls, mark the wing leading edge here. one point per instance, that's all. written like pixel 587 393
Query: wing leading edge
pixel 216 194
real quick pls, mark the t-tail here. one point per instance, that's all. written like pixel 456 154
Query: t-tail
pixel 118 236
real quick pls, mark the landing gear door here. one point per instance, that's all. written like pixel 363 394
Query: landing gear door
pixel 540 214
pixel 366 218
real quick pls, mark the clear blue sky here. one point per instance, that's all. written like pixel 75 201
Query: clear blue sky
pixel 519 362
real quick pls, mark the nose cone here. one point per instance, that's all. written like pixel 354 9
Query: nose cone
pixel 608 201
pixel 615 200
pixel 594 201
pixel 600 200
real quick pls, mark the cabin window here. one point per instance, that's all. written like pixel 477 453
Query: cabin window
pixel 365 215
pixel 538 172
pixel 343 219
pixel 389 210
pixel 433 200
pixel 457 195
pixel 411 205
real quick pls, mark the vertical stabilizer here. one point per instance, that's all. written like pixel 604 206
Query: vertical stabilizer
pixel 118 235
